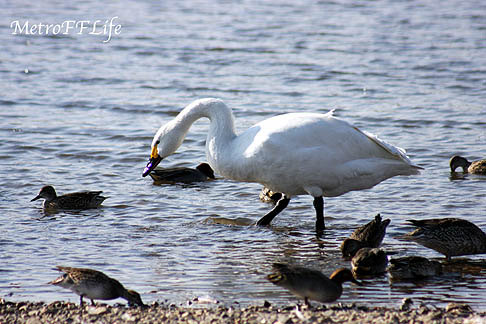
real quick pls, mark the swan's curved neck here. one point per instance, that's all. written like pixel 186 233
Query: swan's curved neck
pixel 222 126
pixel 221 129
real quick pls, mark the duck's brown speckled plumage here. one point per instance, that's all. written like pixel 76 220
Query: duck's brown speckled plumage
pixel 449 236
pixel 369 235
pixel 94 284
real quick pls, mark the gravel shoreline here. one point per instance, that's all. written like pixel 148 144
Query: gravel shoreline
pixel 62 312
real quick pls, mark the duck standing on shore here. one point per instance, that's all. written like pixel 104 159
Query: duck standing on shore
pixel 311 284
pixel 295 154
pixel 94 285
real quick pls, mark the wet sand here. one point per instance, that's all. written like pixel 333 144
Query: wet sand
pixel 61 312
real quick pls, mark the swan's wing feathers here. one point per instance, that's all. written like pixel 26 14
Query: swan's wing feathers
pixel 337 156
pixel 396 151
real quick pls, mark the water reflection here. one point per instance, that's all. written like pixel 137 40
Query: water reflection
pixel 458 176
pixel 240 221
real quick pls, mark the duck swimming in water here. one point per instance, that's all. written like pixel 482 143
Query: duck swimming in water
pixel 296 154
pixel 202 172
pixel 74 200
pixel 448 236
pixel 475 167
pixel 369 235
pixel 413 267
pixel 369 261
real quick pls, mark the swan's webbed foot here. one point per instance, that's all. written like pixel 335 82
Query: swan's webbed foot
pixel 281 204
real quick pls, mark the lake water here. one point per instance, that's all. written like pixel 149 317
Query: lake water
pixel 80 114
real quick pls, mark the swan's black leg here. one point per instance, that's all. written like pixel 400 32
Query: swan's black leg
pixel 281 204
pixel 319 207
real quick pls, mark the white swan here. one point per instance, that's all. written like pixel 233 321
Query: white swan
pixel 296 154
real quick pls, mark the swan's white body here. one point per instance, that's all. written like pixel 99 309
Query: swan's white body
pixel 296 153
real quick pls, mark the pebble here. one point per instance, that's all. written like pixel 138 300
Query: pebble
pixel 97 310
pixel 59 312
pixel 127 317
pixel 458 308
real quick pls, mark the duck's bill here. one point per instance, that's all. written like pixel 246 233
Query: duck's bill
pixel 37 197
pixel 152 163
pixel 58 280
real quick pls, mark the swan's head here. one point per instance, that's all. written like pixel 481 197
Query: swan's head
pixel 168 138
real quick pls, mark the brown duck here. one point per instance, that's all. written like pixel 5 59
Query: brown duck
pixel 475 167
pixel 449 236
pixel 311 284
pixel 369 235
pixel 413 267
pixel 94 284
pixel 369 261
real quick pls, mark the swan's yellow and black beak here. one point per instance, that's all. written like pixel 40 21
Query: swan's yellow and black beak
pixel 153 162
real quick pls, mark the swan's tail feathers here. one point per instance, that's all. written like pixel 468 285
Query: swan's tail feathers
pixel 398 152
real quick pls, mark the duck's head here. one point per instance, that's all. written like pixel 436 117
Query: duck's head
pixel 134 298
pixel 47 192
pixel 63 280
pixel 206 170
pixel 343 275
pixel 458 161
pixel 349 247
